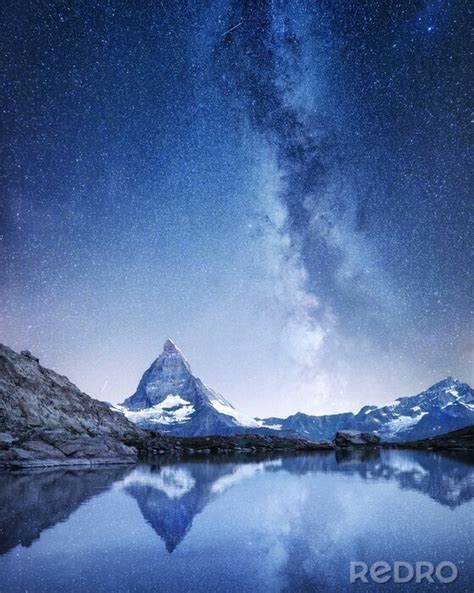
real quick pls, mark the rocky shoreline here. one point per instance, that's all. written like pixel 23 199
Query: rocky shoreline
pixel 41 450
pixel 49 448
pixel 87 451
pixel 215 444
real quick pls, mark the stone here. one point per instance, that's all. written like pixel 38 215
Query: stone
pixel 351 438
pixel 28 354
pixel 6 440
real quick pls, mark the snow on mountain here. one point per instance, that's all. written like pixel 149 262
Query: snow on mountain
pixel 172 410
pixel 170 399
pixel 445 406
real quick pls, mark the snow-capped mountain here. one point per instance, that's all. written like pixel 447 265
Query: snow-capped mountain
pixel 170 399
pixel 446 406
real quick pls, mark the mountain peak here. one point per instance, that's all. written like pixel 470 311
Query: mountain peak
pixel 445 383
pixel 170 347
pixel 171 398
pixel 172 352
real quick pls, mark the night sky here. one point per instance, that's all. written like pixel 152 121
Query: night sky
pixel 281 187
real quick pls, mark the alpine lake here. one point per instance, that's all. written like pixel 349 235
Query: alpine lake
pixel 242 524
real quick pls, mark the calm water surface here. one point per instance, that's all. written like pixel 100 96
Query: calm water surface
pixel 240 524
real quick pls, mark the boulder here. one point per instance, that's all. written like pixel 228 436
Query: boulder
pixel 351 438
pixel 28 354
pixel 80 450
pixel 6 440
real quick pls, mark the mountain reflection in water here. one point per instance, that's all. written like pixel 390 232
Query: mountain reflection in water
pixel 171 494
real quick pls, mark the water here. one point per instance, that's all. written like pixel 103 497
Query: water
pixel 240 524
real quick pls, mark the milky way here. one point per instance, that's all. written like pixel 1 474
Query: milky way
pixel 281 187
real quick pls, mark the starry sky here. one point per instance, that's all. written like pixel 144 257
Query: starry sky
pixel 280 187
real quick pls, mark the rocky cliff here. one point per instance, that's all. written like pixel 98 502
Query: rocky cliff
pixel 46 420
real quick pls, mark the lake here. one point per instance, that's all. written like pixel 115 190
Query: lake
pixel 238 524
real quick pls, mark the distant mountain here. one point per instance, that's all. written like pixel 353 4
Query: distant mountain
pixel 170 399
pixel 447 405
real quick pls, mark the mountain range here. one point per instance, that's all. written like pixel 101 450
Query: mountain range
pixel 170 399
pixel 445 406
